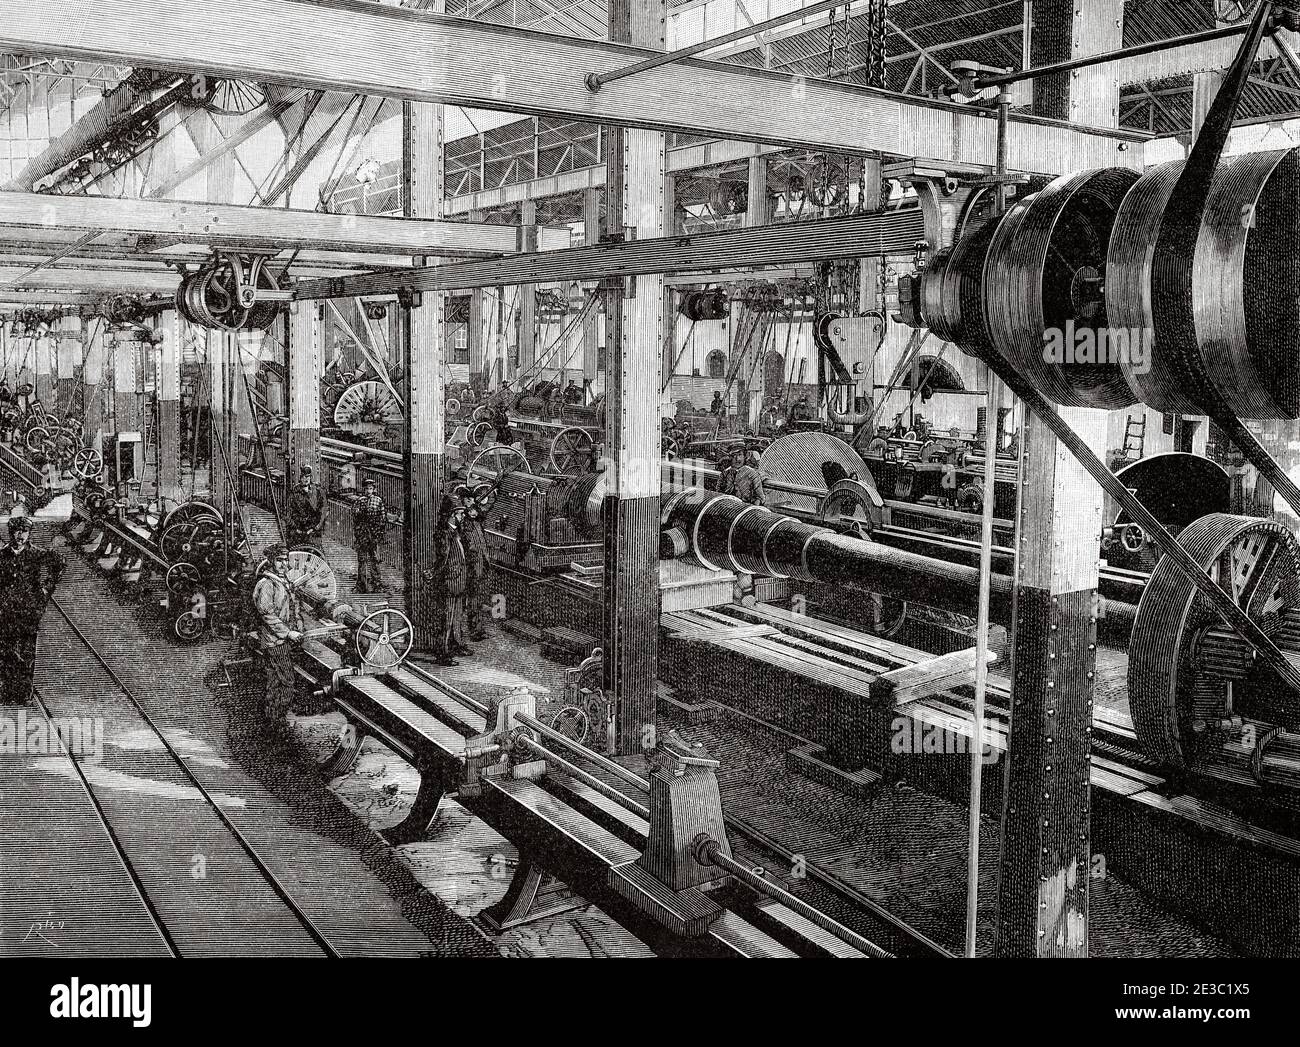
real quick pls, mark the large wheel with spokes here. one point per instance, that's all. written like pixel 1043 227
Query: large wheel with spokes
pixel 367 403
pixel 87 463
pixel 182 578
pixel 384 638
pixel 497 460
pixel 310 575
pixel 1181 678
pixel 572 451
pixel 193 510
pixel 201 543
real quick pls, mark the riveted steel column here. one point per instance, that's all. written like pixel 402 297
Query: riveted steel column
pixel 634 202
pixel 1046 856
pixel 424 344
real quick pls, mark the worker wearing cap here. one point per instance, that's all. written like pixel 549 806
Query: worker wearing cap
pixel 748 480
pixel 279 626
pixel 305 513
pixel 572 394
pixel 369 522
pixel 27 580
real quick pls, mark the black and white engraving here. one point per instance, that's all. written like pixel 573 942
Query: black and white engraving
pixel 649 478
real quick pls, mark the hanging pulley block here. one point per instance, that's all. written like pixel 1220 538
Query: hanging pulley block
pixel 705 305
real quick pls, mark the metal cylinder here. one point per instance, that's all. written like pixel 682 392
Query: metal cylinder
pixel 727 534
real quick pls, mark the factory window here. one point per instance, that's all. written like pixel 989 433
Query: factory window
pixel 600 358
pixel 460 344
pixel 717 364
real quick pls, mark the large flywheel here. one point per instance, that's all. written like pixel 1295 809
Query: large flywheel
pixel 1043 289
pixel 1196 689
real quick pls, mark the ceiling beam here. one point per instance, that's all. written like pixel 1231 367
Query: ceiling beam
pixel 351 45
pixel 101 281
pixel 10 297
pixel 858 236
pixel 230 225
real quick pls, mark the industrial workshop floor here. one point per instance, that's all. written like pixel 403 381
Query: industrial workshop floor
pixel 903 848
pixel 366 901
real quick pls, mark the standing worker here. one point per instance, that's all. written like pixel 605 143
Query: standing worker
pixel 305 513
pixel 279 625
pixel 474 538
pixel 369 522
pixel 27 580
pixel 749 481
pixel 450 575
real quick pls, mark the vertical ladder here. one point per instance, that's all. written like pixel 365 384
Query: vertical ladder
pixel 1135 437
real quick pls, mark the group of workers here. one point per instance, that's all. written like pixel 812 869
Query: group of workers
pixel 458 576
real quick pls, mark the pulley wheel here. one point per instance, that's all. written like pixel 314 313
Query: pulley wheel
pixel 1043 289
pixel 194 509
pixel 497 460
pixel 182 578
pixel 87 463
pixel 1174 702
pixel 1225 314
pixel 571 451
pixel 1129 260
pixel 190 627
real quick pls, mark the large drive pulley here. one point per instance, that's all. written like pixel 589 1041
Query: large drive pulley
pixel 1240 352
pixel 1197 693
pixel 1043 289
pixel 193 533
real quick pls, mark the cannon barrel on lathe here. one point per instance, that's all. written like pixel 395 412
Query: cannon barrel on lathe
pixel 722 532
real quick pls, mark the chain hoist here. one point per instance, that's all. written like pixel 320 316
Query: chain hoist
pixel 876 32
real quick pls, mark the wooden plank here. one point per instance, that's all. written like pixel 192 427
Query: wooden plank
pixel 724 632
pixel 922 679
